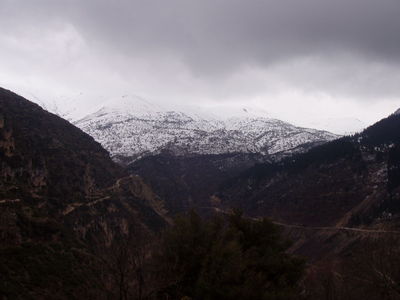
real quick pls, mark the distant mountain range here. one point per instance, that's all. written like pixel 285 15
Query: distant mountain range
pixel 130 127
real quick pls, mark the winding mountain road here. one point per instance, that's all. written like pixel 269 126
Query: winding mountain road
pixel 333 228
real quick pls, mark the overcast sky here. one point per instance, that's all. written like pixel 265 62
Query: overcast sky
pixel 302 60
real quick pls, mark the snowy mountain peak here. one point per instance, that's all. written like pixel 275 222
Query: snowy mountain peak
pixel 397 112
pixel 132 127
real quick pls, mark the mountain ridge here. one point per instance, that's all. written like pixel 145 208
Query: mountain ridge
pixel 135 133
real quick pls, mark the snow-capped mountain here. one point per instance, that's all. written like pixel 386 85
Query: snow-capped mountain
pixel 130 126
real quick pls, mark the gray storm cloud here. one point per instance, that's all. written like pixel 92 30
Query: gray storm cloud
pixel 341 47
pixel 237 29
pixel 219 35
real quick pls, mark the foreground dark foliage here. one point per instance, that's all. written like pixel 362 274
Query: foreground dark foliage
pixel 370 272
pixel 227 258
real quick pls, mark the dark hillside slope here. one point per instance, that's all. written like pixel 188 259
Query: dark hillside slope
pixel 188 182
pixel 46 156
pixel 347 182
pixel 62 200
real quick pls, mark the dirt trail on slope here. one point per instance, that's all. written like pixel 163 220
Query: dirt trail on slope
pixel 336 228
pixel 317 228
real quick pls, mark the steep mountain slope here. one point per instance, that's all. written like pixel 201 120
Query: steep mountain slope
pixel 331 201
pixel 351 181
pixel 131 127
pixel 62 199
pixel 189 182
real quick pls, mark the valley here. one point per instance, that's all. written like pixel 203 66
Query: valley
pixel 63 195
pixel 199 150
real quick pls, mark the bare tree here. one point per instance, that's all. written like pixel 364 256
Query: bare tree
pixel 124 264
pixel 376 268
pixel 371 271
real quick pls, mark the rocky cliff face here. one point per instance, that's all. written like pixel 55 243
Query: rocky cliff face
pixel 61 199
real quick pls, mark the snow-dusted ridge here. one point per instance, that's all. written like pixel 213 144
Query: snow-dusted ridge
pixel 131 126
